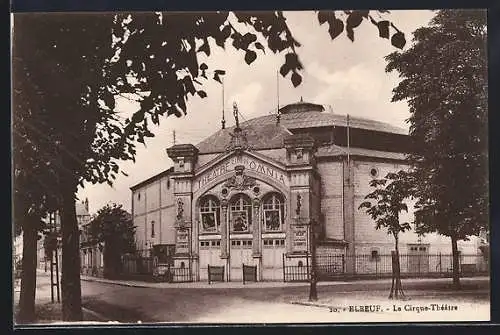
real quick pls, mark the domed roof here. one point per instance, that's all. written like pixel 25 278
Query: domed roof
pixel 265 133
pixel 301 106
pixel 259 135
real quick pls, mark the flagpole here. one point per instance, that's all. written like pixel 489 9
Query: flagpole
pixel 348 142
pixel 277 97
pixel 223 117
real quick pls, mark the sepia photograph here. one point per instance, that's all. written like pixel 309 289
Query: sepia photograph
pixel 250 167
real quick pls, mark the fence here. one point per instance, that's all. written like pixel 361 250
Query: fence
pixel 133 264
pixel 181 275
pixel 142 264
pixel 341 267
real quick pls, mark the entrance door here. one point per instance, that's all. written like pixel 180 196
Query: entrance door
pixel 272 258
pixel 418 258
pixel 209 255
pixel 240 253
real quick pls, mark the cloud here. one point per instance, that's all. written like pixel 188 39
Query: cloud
pixel 246 99
pixel 358 82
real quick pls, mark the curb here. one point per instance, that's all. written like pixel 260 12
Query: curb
pixel 96 315
pixel 312 304
pixel 114 283
pixel 152 285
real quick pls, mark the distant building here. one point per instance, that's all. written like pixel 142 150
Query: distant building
pixel 91 254
pixel 82 217
pixel 18 248
pixel 253 193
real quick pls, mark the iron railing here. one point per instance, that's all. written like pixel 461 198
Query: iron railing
pixel 181 275
pixel 339 267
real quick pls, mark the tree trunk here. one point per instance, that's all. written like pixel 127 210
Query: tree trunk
pixel 396 287
pixel 28 275
pixel 70 281
pixel 109 262
pixel 456 263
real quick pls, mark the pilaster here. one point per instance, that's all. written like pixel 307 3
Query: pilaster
pixel 257 226
pixel 184 157
pixel 224 242
pixel 349 234
pixel 300 164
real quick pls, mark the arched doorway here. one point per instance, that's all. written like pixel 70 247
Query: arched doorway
pixel 240 234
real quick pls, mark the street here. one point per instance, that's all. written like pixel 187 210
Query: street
pixel 275 302
pixel 271 304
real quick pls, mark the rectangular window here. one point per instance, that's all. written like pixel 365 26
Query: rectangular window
pixel 240 221
pixel 152 229
pixel 272 219
pixel 209 221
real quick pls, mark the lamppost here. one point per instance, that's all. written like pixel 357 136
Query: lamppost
pixel 313 292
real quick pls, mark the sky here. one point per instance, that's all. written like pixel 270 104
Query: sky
pixel 348 77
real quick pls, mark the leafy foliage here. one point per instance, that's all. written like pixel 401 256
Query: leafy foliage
pixel 50 243
pixel 33 161
pixel 444 80
pixel 114 226
pixel 353 19
pixel 387 201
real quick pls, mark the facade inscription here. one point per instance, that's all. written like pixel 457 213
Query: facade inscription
pixel 227 167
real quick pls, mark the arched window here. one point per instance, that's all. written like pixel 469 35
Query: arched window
pixel 241 213
pixel 274 212
pixel 210 214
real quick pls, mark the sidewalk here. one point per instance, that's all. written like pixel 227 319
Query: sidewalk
pixel 43 299
pixel 266 284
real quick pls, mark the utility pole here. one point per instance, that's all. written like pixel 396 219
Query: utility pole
pixel 313 291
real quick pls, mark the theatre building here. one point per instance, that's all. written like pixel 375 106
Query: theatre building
pixel 258 192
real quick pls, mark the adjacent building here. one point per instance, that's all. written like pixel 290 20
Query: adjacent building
pixel 256 193
pixel 54 220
